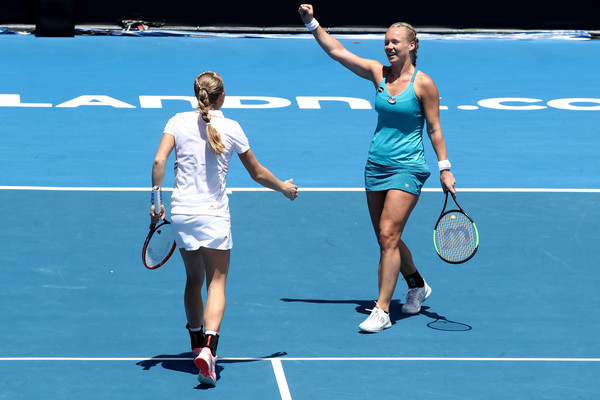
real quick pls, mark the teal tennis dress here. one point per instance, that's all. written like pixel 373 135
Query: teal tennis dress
pixel 396 155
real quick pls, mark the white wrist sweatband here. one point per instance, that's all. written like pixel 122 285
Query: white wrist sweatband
pixel 312 25
pixel 444 164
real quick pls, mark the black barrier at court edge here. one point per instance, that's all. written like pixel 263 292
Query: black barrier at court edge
pixel 57 17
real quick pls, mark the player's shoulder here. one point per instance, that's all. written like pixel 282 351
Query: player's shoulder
pixel 218 117
pixel 423 79
pixel 379 71
pixel 185 115
pixel 424 83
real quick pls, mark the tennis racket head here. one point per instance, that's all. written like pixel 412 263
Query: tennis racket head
pixel 159 246
pixel 455 236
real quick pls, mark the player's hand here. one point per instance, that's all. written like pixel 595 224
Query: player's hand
pixel 306 12
pixel 290 190
pixel 448 182
pixel 154 217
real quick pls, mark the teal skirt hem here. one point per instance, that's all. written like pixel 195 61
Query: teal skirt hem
pixel 408 178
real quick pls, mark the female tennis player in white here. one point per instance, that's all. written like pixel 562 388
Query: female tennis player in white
pixel 204 141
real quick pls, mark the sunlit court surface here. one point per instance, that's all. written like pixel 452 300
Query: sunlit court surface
pixel 81 121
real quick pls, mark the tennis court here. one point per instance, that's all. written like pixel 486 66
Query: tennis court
pixel 82 118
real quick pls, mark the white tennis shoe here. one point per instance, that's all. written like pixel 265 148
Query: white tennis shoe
pixel 206 363
pixel 414 298
pixel 377 321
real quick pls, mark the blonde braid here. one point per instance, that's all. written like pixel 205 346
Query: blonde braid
pixel 208 86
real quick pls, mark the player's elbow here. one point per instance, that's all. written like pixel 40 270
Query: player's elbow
pixel 434 130
pixel 159 162
pixel 257 175
pixel 338 55
pixel 260 174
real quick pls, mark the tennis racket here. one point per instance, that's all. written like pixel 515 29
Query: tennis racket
pixel 455 235
pixel 159 244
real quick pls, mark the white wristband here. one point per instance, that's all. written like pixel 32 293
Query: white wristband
pixel 443 165
pixel 312 25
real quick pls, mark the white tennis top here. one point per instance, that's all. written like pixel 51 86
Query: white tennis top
pixel 200 175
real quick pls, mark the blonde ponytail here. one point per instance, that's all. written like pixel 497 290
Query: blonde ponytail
pixel 208 86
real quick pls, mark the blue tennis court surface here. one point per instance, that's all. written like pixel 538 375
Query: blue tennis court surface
pixel 81 120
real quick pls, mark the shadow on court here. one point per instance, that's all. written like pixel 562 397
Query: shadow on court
pixel 181 363
pixel 439 322
pixel 184 363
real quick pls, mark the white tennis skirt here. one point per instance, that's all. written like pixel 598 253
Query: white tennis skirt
pixel 194 231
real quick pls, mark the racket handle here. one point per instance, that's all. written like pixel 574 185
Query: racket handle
pixel 156 199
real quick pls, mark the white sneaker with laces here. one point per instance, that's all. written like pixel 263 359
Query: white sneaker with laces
pixel 377 321
pixel 206 364
pixel 414 298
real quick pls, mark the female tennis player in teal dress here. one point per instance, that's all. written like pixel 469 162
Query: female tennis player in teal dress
pixel 396 169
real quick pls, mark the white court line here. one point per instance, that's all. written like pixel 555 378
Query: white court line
pixel 279 359
pixel 276 363
pixel 284 390
pixel 493 359
pixel 262 189
pixel 81 189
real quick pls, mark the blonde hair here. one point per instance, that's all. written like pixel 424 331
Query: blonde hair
pixel 208 86
pixel 411 36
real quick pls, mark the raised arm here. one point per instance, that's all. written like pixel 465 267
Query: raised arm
pixel 363 67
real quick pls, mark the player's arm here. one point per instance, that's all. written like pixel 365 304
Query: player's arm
pixel 167 143
pixel 363 67
pixel 263 176
pixel 427 92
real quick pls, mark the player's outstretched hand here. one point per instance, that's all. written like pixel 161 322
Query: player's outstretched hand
pixel 290 190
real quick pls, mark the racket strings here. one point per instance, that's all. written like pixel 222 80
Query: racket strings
pixel 456 237
pixel 160 246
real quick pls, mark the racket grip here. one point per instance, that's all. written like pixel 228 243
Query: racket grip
pixel 156 195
